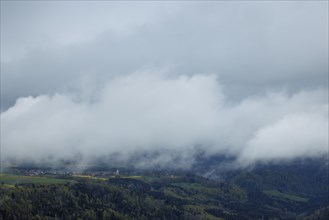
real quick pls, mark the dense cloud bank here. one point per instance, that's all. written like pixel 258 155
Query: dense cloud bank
pixel 174 116
pixel 118 81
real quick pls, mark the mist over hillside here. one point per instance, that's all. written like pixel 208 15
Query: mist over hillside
pixel 167 119
pixel 173 81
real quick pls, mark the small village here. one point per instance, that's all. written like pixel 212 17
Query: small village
pixel 63 172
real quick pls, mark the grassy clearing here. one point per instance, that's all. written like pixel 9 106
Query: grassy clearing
pixel 133 177
pixel 106 178
pixel 90 177
pixel 11 179
pixel 276 193
pixel 8 186
pixel 127 177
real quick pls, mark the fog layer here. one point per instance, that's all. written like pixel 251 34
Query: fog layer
pixel 177 116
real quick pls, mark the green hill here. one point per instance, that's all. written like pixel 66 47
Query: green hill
pixel 147 197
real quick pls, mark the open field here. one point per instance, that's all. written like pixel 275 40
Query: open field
pixel 105 178
pixel 276 193
pixel 12 179
pixel 89 177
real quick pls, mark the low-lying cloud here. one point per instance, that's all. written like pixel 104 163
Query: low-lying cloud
pixel 175 116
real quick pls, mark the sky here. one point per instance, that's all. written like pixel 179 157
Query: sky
pixel 245 79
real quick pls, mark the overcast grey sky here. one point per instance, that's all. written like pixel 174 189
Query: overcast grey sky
pixel 244 78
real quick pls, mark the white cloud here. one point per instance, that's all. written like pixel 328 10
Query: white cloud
pixel 174 116
pixel 295 135
pixel 71 68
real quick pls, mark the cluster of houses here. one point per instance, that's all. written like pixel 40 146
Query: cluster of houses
pixel 41 172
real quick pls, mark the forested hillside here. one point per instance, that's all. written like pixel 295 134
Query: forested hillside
pixel 257 194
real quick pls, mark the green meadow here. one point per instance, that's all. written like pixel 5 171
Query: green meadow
pixel 292 197
pixel 12 179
